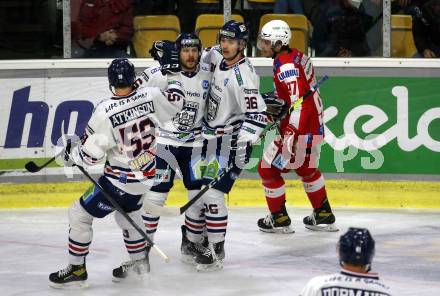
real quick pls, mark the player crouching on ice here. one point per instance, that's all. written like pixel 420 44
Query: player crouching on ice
pixel 119 134
pixel 356 250
pixel 301 129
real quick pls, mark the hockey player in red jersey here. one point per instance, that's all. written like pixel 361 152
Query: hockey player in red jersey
pixel 301 130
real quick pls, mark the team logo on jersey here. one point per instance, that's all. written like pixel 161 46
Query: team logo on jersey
pixel 185 119
pixel 287 74
pixel 287 71
pixel 205 84
pixel 225 81
pixel 213 103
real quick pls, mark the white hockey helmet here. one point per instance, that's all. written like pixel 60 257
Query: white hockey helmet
pixel 276 30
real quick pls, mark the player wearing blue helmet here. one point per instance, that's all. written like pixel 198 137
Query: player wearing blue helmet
pixel 234 119
pixel 120 136
pixel 121 74
pixel 356 249
pixel 180 145
pixel 233 38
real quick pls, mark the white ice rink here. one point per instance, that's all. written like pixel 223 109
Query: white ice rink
pixel 33 244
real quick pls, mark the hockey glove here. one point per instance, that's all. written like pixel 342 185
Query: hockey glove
pixel 67 159
pixel 243 150
pixel 166 54
pixel 275 107
pixel 290 137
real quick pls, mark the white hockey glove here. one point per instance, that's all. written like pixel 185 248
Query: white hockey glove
pixel 243 150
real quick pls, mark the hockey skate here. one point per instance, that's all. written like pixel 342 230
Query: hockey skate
pixel 132 269
pixel 322 219
pixel 71 276
pixel 191 250
pixel 278 222
pixel 212 258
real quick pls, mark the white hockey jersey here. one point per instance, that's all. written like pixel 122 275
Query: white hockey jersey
pixel 121 132
pixel 234 102
pixel 185 128
pixel 346 283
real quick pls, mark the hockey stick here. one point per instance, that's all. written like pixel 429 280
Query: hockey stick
pixel 32 167
pixel 169 211
pixel 123 213
pixel 166 211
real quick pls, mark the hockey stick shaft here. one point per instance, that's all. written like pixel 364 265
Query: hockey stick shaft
pixel 123 213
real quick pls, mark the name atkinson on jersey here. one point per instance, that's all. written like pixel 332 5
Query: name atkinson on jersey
pixel 132 113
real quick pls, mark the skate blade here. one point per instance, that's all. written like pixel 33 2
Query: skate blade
pixel 283 230
pixel 70 286
pixel 323 227
pixel 188 259
pixel 218 265
pixel 132 278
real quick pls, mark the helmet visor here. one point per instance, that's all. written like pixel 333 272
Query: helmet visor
pixel 263 44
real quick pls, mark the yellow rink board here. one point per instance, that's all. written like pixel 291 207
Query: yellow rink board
pixel 373 194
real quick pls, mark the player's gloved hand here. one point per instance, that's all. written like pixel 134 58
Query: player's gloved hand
pixel 165 52
pixel 290 136
pixel 275 107
pixel 243 150
pixel 66 157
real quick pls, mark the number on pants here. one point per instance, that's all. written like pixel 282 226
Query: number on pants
pixel 211 208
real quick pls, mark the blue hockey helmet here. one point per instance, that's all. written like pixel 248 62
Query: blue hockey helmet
pixel 188 40
pixel 234 30
pixel 121 73
pixel 356 247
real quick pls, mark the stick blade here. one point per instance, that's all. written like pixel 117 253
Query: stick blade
pixel 31 167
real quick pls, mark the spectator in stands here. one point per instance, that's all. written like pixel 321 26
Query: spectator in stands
pixel 426 29
pixel 288 6
pixel 312 9
pixel 341 30
pixel 103 29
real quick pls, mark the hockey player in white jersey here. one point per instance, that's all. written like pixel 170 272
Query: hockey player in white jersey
pixel 180 143
pixel 356 250
pixel 234 119
pixel 120 133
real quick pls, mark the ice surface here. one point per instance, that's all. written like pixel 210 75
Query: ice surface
pixel 33 244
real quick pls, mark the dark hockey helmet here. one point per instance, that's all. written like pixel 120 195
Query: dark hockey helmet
pixel 121 73
pixel 234 30
pixel 188 40
pixel 356 247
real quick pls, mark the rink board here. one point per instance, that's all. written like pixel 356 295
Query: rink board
pixel 382 116
pixel 342 193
